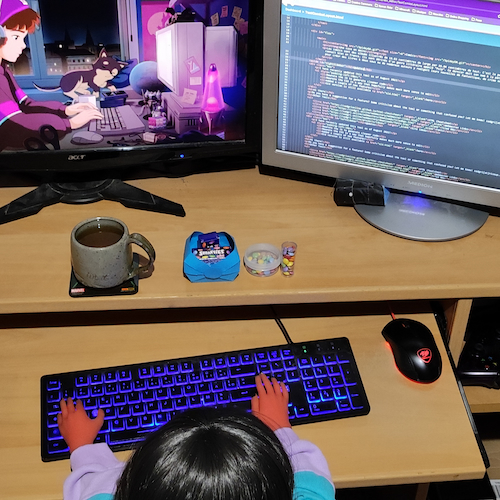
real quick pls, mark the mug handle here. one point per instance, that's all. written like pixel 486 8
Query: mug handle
pixel 144 243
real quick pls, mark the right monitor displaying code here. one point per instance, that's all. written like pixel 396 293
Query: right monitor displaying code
pixel 400 86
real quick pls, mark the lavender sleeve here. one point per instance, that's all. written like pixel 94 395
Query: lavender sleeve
pixel 95 473
pixel 304 455
pixel 312 478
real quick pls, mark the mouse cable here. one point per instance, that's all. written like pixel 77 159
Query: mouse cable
pixel 391 311
pixel 281 325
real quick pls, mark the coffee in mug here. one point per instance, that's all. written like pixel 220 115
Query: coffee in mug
pixel 101 252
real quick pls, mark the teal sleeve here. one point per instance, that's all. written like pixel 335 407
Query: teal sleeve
pixel 102 496
pixel 311 486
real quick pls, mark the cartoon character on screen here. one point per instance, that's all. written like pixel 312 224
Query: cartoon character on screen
pixel 22 119
pixel 104 69
pixel 89 81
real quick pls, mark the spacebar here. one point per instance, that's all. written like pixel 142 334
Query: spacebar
pixel 126 437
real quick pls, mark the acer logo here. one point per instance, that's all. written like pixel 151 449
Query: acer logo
pixel 76 157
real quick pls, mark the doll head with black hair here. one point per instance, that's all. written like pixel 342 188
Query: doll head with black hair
pixel 201 454
pixel 209 454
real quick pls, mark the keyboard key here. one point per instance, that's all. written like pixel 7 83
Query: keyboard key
pixel 181 403
pixel 159 370
pixel 246 358
pixel 110 376
pixel 83 392
pixel 244 382
pixel 81 380
pixel 239 371
pixel 140 384
pixel 124 375
pixel 242 395
pixel 125 386
pixel 53 408
pixel 53 397
pixel 53 385
pixel 122 437
pixel 123 411
pixel 57 446
pixel 206 363
pixel 322 407
pixel 109 413
pixel 147 421
pixel 117 425
pixel 172 368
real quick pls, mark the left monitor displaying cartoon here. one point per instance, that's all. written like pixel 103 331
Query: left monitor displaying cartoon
pixel 123 73
pixel 90 92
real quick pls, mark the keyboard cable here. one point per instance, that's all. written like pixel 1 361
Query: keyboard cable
pixel 281 326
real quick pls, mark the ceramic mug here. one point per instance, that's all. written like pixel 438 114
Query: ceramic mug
pixel 101 252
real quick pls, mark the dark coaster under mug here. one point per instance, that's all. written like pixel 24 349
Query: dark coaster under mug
pixel 128 287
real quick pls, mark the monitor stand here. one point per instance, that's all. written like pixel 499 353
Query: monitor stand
pixel 87 192
pixel 418 218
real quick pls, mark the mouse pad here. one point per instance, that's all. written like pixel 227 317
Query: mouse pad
pixel 128 287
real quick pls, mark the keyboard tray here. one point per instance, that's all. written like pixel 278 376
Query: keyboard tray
pixel 322 378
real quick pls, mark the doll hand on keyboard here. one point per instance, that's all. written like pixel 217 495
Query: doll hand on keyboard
pixel 75 426
pixel 270 404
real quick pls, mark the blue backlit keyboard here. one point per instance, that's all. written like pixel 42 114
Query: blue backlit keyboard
pixel 322 378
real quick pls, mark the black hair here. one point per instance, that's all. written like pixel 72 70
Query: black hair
pixel 209 454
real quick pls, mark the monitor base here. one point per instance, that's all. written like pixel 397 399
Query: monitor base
pixel 415 217
pixel 87 192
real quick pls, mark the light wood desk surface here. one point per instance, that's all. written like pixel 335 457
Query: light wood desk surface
pixel 340 257
pixel 413 433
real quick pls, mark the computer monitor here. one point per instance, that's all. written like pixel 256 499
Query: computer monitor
pixel 398 93
pixel 65 64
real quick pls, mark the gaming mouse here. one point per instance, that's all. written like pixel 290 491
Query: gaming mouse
pixel 414 348
pixel 86 137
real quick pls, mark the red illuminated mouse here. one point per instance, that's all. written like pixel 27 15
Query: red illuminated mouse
pixel 414 348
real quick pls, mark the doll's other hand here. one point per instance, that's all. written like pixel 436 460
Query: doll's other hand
pixel 270 404
pixel 75 426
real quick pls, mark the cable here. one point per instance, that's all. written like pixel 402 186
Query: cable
pixel 281 326
pixel 390 311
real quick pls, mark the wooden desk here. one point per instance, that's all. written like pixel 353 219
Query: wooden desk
pixel 413 433
pixel 340 257
pixel 341 260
